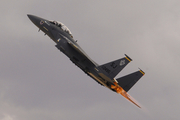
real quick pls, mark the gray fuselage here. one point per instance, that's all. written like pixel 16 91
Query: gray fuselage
pixel 66 44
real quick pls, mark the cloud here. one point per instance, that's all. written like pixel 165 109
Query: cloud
pixel 7 117
pixel 39 82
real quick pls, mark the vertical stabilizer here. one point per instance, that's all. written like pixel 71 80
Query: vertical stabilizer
pixel 111 69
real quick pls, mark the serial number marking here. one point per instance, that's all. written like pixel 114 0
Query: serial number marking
pixel 106 69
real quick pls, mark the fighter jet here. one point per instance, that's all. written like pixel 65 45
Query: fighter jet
pixel 103 74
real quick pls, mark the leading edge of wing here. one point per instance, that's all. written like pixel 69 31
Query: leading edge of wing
pixel 78 49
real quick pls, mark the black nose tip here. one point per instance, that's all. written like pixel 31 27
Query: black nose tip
pixel 36 20
pixel 31 17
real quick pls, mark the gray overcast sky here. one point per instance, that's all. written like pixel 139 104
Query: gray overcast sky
pixel 39 82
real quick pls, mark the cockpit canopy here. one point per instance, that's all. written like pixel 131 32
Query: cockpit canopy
pixel 61 25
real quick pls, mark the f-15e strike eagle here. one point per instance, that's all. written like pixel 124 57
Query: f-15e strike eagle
pixel 103 74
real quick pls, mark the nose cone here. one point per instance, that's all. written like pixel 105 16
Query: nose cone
pixel 42 24
pixel 34 19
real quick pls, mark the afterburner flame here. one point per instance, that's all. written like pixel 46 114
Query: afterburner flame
pixel 121 91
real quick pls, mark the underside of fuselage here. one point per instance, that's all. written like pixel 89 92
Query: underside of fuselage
pixel 101 81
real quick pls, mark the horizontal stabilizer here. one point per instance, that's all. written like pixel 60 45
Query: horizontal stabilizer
pixel 111 69
pixel 128 81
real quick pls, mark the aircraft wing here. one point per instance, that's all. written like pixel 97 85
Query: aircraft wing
pixel 78 49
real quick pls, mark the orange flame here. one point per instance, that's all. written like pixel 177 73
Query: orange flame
pixel 121 91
